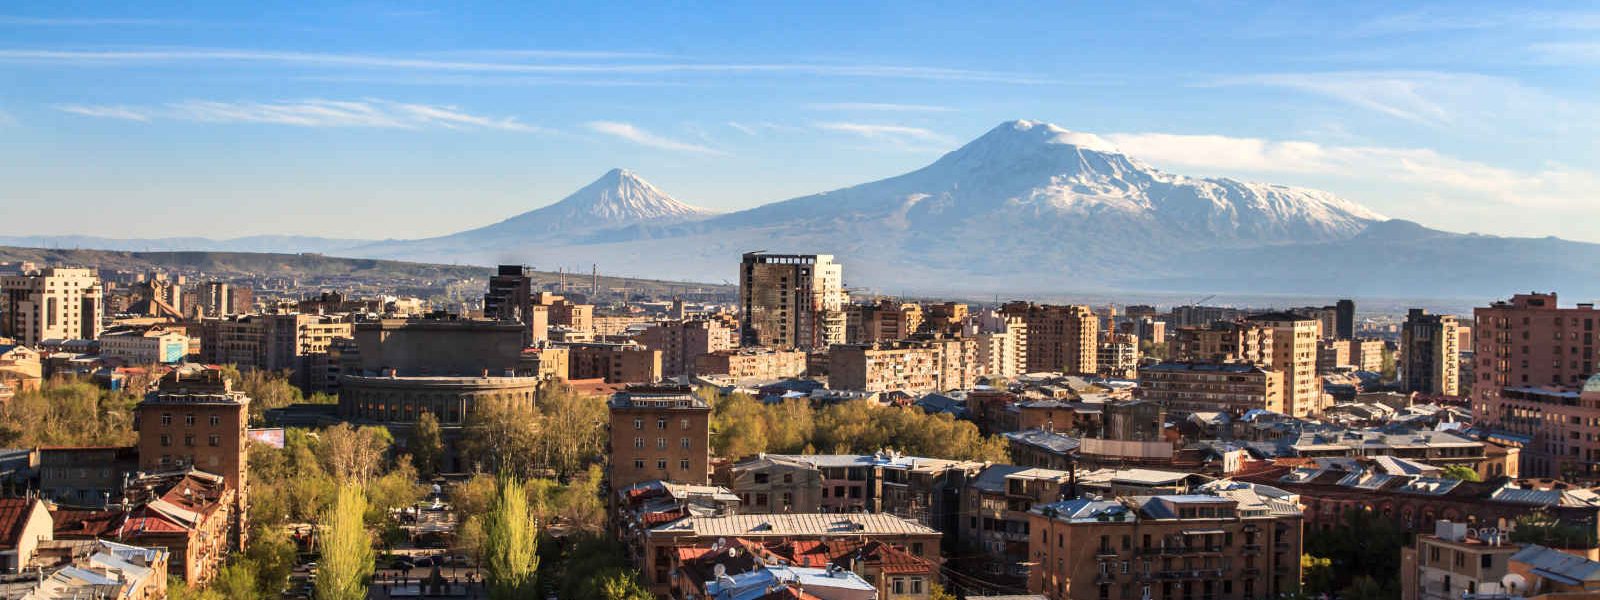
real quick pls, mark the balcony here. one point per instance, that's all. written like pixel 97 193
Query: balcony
pixel 1104 552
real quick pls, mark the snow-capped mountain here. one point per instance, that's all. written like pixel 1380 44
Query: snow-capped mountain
pixel 1033 175
pixel 619 198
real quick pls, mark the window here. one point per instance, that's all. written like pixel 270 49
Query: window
pixel 661 423
pixel 188 420
pixel 661 443
pixel 638 423
pixel 762 478
pixel 916 585
pixel 215 420
pixel 761 499
pixel 166 419
pixel 638 442
pixel 166 440
pixel 684 442
pixel 214 440
pixel 188 440
pixel 898 584
pixel 661 463
pixel 683 464
pixel 683 424
pixel 638 463
pixel 788 477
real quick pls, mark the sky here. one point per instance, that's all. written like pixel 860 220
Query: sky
pixel 410 119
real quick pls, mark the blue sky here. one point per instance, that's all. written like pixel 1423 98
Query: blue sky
pixel 413 119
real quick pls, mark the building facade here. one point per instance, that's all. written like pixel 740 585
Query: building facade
pixel 1060 338
pixel 659 432
pixel 1430 355
pixel 59 302
pixel 682 342
pixel 752 363
pixel 791 301
pixel 1235 388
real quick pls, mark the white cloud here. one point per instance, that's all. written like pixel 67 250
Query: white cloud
pixel 896 134
pixel 1554 186
pixel 878 107
pixel 107 112
pixel 641 137
pixel 101 58
pixel 1435 99
pixel 308 113
pixel 83 21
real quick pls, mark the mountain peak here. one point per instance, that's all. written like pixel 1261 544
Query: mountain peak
pixel 619 198
pixel 1040 133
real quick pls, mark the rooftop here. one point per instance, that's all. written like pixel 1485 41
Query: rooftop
pixel 800 524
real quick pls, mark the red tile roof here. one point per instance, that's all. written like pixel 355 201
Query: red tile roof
pixel 13 518
pixel 85 523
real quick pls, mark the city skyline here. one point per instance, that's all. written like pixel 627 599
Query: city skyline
pixel 1469 118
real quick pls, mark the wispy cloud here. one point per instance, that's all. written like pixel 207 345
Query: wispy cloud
pixel 1464 19
pixel 105 111
pixel 1582 53
pixel 308 113
pixel 101 58
pixel 1429 98
pixel 878 107
pixel 760 127
pixel 1555 186
pixel 629 132
pixel 901 134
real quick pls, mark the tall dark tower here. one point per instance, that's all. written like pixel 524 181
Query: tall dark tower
pixel 1344 319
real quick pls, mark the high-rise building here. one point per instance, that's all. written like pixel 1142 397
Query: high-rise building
pixel 57 302
pixel 1294 352
pixel 791 301
pixel 885 321
pixel 196 419
pixel 1430 354
pixel 215 299
pixel 1345 319
pixel 1060 338
pixel 510 298
pixel 1533 358
pixel 659 432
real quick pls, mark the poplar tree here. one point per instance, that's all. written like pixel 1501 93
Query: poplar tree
pixel 346 548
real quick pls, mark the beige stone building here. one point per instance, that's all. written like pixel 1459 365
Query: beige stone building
pixel 58 302
pixel 791 301
pixel 1430 356
pixel 1060 338
pixel 683 342
pixel 752 363
pixel 1455 562
pixel 1234 388
pixel 884 321
pixel 615 363
pixel 914 366
pixel 145 346
pixel 1294 353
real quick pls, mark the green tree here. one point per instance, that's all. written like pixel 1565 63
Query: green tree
pixel 509 546
pixel 427 445
pixel 572 432
pixel 393 490
pixel 1317 574
pixel 1364 587
pixel 502 436
pixel 1462 472
pixel 937 592
pixel 354 454
pixel 267 389
pixel 177 589
pixel 237 581
pixel 346 548
pixel 272 554
pixel 621 584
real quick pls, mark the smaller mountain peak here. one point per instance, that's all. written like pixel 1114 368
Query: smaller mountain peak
pixel 619 173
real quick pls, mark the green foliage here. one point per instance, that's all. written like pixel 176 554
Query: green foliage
pixel 346 548
pixel 70 412
pixel 393 490
pixel 1317 573
pixel 743 426
pixel 272 555
pixel 427 445
pixel 237 581
pixel 177 589
pixel 1540 527
pixel 1156 350
pixel 267 389
pixel 1462 472
pixel 590 560
pixel 572 432
pixel 937 592
pixel 1364 587
pixel 623 584
pixel 510 549
pixel 354 454
pixel 1367 543
pixel 502 437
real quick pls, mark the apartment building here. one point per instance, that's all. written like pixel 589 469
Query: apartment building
pixel 144 346
pixel 57 302
pixel 1532 360
pixel 913 366
pixel 1456 562
pixel 1234 388
pixel 1060 338
pixel 615 363
pixel 883 321
pixel 791 301
pixel 1228 540
pixel 752 363
pixel 659 432
pixel 682 342
pixel 1430 355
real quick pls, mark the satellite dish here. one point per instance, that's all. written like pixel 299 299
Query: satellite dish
pixel 1514 583
pixel 719 571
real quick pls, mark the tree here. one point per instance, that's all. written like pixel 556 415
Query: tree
pixel 1364 587
pixel 510 537
pixel 237 581
pixel 502 436
pixel 1462 472
pixel 393 490
pixel 346 548
pixel 620 584
pixel 354 454
pixel 937 592
pixel 272 554
pixel 1317 574
pixel 427 445
pixel 267 389
pixel 573 429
